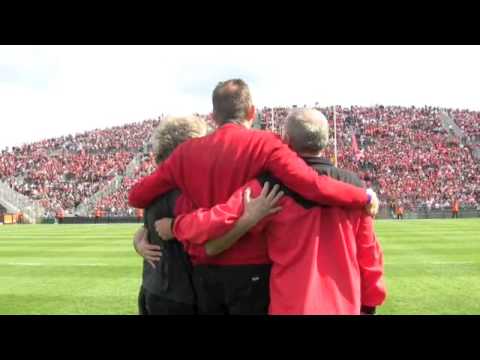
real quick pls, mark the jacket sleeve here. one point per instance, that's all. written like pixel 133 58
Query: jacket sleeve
pixel 293 172
pixel 204 224
pixel 370 260
pixel 159 182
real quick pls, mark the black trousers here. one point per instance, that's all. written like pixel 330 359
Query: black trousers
pixel 232 290
pixel 455 214
pixel 151 304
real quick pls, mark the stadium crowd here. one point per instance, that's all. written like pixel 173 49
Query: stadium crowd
pixel 116 204
pixel 61 173
pixel 402 152
pixel 469 122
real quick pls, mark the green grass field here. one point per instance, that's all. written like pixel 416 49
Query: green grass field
pixel 432 267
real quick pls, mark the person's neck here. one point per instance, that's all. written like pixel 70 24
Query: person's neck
pixel 246 123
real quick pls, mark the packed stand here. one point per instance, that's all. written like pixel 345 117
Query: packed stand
pixel 469 122
pixel 116 204
pixel 61 173
pixel 403 153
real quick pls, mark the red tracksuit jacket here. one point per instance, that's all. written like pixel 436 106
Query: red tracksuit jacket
pixel 325 260
pixel 209 169
pixel 196 252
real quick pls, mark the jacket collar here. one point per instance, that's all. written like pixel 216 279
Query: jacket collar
pixel 231 125
pixel 317 160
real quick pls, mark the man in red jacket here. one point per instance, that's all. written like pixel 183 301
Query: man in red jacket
pixel 326 260
pixel 208 170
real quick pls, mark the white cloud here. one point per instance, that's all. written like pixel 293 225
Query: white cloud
pixel 47 91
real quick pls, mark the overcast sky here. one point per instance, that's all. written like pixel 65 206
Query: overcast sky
pixel 46 91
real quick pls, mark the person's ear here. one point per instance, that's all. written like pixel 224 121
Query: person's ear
pixel 251 113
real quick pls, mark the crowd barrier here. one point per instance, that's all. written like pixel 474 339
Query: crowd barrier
pixel 92 220
pixel 383 214
pixel 431 214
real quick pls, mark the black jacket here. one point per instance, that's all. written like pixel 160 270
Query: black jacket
pixel 323 167
pixel 172 277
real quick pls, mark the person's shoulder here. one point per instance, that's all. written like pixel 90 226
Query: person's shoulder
pixel 165 200
pixel 193 142
pixel 348 176
pixel 264 134
pixel 264 138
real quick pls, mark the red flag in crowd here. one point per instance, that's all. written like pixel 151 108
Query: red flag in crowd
pixel 356 151
pixel 355 145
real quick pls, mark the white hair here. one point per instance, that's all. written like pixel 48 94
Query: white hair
pixel 173 131
pixel 307 130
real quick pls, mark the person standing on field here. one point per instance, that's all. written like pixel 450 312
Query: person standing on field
pixel 455 208
pixel 399 211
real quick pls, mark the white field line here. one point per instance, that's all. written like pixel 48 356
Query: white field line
pixel 431 263
pixel 451 262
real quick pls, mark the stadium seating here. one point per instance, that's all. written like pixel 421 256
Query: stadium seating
pixel 403 153
pixel 407 155
pixel 61 173
pixel 469 122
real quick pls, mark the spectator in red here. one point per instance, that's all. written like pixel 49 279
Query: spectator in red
pixel 60 216
pixel 455 208
pixel 98 215
pixel 399 211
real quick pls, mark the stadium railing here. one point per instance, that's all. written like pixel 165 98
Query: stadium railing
pixel 88 205
pixel 424 213
pixel 17 202
pixel 92 220
pixel 421 213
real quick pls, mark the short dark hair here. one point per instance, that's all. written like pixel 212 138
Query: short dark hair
pixel 231 101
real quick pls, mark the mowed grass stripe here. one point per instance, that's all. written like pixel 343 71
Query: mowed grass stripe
pixel 48 245
pixel 432 266
pixel 62 253
pixel 67 304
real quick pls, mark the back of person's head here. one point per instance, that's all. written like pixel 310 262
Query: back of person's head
pixel 306 131
pixel 173 131
pixel 232 102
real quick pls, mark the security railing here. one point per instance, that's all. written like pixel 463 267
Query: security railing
pixel 87 207
pixel 16 202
